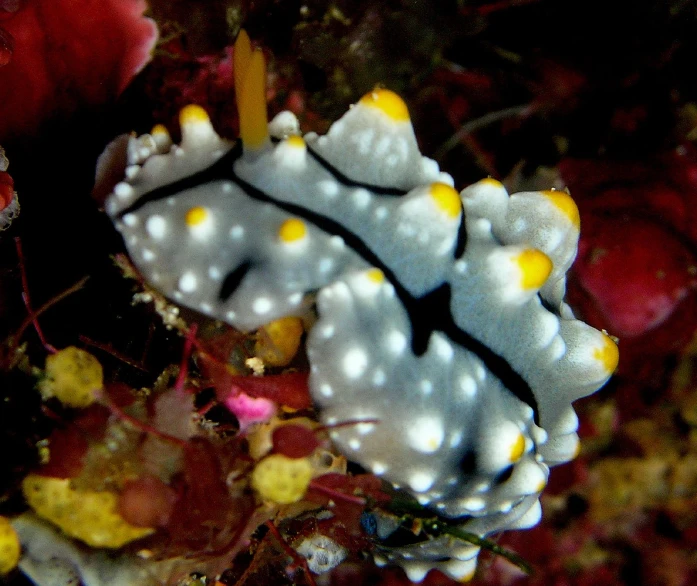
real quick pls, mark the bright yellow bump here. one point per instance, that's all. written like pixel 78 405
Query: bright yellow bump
pixel 278 342
pixel 296 141
pixel 375 275
pixel 491 182
pixel 517 449
pixel 388 103
pixel 447 199
pixel 196 216
pixel 251 104
pixel 566 205
pixel 535 267
pixel 88 515
pixel 72 376
pixel 282 480
pixel 10 548
pixel 608 354
pixel 292 230
pixel 159 130
pixel 192 114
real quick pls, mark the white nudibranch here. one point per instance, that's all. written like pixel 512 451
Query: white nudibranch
pixel 441 314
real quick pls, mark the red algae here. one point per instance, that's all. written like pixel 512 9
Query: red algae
pixel 68 55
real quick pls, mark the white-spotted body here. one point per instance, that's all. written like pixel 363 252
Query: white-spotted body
pixel 441 315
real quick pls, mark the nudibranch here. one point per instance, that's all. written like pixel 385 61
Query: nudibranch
pixel 441 319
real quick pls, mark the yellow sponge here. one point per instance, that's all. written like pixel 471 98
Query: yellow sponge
pixel 9 546
pixel 282 480
pixel 88 515
pixel 72 376
pixel 278 341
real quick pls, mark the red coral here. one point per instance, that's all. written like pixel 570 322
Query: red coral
pixel 635 272
pixel 68 54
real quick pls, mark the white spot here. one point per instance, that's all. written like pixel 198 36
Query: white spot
pixel 378 468
pixel 473 503
pixel 461 266
pixel 227 187
pixel 379 377
pixel 326 390
pixel 262 305
pixel 443 348
pixel 295 298
pixel 381 213
pixel 178 295
pixel 206 307
pixel 131 220
pixel 171 201
pixel 328 188
pixel 365 428
pixel 388 290
pixel 327 331
pixel 355 362
pixel 426 387
pixel 455 439
pixel 236 232
pixel 156 227
pixel 230 315
pixel 421 481
pixel 132 240
pixel 214 273
pixel 391 160
pixel 426 434
pixel 331 421
pixel 188 282
pixel 423 500
pixel 468 388
pixel 123 190
pixel 396 342
pixel 480 372
pixel 354 444
pixel 131 171
pixel 383 146
pixel 148 255
pixel 325 264
pixel 337 242
pixel 361 197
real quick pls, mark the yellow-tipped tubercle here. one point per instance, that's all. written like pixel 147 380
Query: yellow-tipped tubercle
pixel 193 114
pixel 375 275
pixel 292 230
pixel 608 354
pixel 388 102
pixel 535 267
pixel 566 205
pixel 196 215
pixel 517 449
pixel 447 199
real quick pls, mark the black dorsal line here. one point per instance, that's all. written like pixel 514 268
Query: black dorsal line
pixel 233 280
pixel 348 182
pixel 461 240
pixel 428 313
